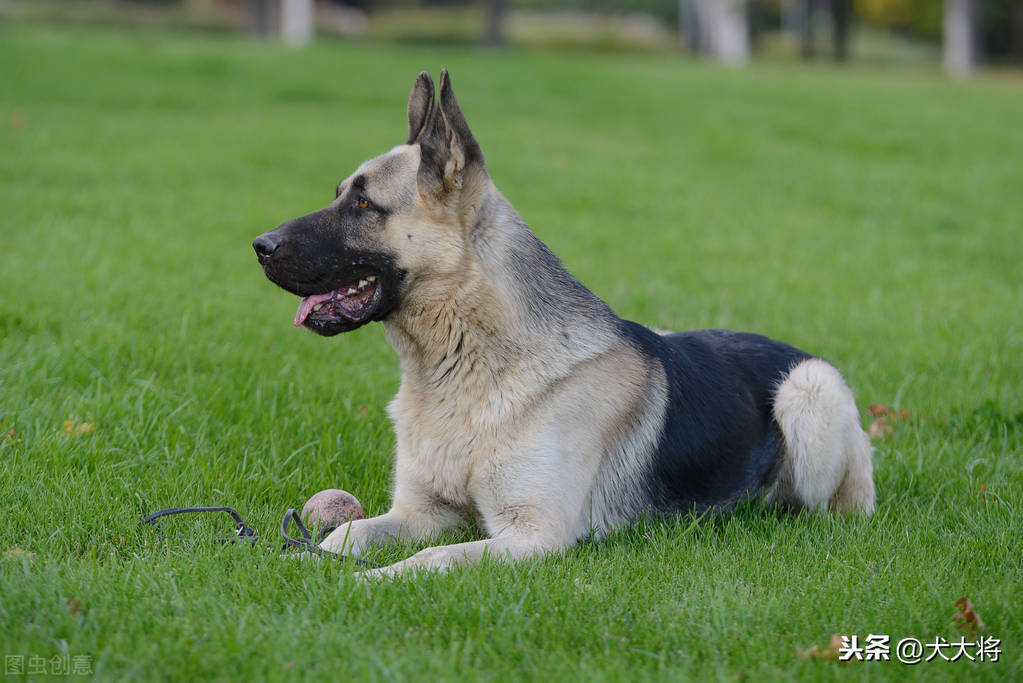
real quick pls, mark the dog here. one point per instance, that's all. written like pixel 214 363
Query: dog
pixel 525 403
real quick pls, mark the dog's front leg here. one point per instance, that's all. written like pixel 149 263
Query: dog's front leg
pixel 408 519
pixel 443 557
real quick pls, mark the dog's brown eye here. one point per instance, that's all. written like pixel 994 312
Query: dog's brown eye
pixel 363 203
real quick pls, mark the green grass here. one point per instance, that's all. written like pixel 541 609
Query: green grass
pixel 870 217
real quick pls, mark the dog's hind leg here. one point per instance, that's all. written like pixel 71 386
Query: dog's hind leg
pixel 827 459
pixel 444 557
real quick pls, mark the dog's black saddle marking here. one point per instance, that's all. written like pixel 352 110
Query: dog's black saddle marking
pixel 719 441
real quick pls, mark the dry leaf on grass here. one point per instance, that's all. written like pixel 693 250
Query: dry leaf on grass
pixel 818 652
pixel 886 418
pixel 884 410
pixel 74 605
pixel 880 410
pixel 73 427
pixel 17 553
pixel 879 429
pixel 363 411
pixel 967 618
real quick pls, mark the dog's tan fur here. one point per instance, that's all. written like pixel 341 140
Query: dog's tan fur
pixel 521 404
pixel 481 380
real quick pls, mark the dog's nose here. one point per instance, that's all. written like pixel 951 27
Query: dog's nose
pixel 265 245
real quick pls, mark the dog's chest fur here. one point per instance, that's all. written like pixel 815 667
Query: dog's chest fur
pixel 452 432
pixel 436 448
pixel 467 403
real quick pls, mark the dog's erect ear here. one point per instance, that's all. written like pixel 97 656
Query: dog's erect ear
pixel 455 119
pixel 420 106
pixel 450 153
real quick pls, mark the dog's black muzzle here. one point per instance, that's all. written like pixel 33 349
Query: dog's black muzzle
pixel 306 255
pixel 311 256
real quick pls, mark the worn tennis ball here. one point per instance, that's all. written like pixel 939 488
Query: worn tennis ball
pixel 331 507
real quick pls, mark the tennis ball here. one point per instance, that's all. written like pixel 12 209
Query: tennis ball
pixel 331 507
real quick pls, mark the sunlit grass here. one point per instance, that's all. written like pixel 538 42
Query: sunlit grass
pixel 872 218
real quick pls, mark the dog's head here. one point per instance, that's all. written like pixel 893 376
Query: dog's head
pixel 399 220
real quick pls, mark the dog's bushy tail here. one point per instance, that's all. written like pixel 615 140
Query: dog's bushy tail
pixel 827 461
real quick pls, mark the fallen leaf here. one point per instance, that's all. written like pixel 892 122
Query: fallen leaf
pixel 363 411
pixel 879 428
pixel 17 553
pixel 981 491
pixel 17 120
pixel 818 652
pixel 887 418
pixel 967 618
pixel 880 410
pixel 10 435
pixel 811 652
pixel 74 428
pixel 74 605
pixel 836 644
pixel 886 411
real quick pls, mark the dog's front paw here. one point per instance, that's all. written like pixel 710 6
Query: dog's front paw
pixel 340 542
pixel 427 560
pixel 368 575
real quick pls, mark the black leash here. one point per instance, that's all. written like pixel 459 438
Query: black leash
pixel 243 532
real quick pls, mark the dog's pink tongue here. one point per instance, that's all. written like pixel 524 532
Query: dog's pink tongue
pixel 307 304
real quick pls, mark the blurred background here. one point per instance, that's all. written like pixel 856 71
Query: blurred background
pixel 959 35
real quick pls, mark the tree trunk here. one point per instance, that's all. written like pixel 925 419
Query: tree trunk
pixel 495 23
pixel 297 25
pixel 959 36
pixel 688 25
pixel 1016 34
pixel 806 44
pixel 841 11
pixel 261 22
pixel 724 30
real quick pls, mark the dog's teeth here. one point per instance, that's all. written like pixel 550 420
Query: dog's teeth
pixel 372 278
pixel 362 283
pixel 351 290
pixel 339 297
pixel 317 307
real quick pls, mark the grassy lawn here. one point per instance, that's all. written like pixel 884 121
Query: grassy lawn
pixel 873 218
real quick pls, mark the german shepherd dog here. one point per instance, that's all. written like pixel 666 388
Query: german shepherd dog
pixel 525 402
